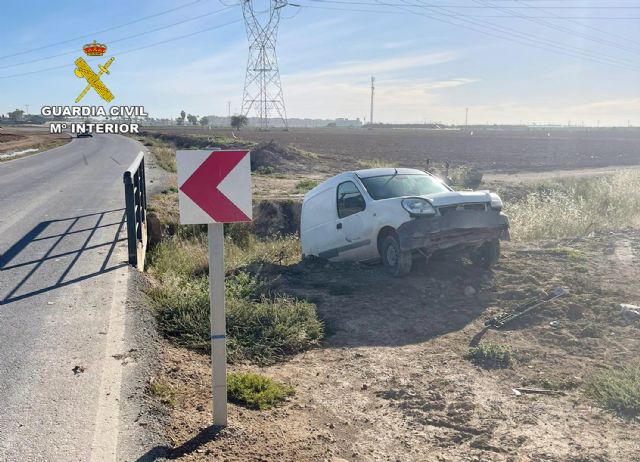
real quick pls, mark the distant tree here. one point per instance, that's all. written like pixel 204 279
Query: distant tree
pixel 16 115
pixel 193 120
pixel 239 121
pixel 204 121
pixel 182 116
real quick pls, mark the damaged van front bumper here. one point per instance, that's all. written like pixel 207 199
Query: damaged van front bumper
pixel 461 228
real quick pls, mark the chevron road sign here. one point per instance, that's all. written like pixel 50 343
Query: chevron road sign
pixel 214 187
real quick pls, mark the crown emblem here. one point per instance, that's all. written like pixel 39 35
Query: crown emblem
pixel 95 49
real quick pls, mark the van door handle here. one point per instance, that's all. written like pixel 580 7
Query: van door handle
pixel 339 226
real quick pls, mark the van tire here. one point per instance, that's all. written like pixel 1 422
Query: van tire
pixel 487 254
pixel 396 262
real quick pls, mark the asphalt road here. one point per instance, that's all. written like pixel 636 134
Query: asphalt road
pixel 63 287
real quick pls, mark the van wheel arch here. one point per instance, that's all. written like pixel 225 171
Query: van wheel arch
pixel 382 234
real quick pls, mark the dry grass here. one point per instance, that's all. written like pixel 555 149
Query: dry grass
pixel 573 207
pixel 278 251
pixel 166 157
pixel 377 163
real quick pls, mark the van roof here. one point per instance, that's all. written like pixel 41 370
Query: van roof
pixel 366 173
pixel 370 172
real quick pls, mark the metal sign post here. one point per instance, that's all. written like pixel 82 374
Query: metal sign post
pixel 215 188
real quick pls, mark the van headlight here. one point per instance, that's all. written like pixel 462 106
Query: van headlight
pixel 496 202
pixel 418 206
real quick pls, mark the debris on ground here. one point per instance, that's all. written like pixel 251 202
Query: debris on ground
pixel 78 370
pixel 538 391
pixel 524 308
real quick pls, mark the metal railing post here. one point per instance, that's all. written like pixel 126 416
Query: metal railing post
pixel 129 201
pixel 135 193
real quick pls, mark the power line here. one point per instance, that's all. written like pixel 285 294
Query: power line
pixel 566 30
pixel 139 34
pixel 92 34
pixel 493 30
pixel 162 42
pixel 462 15
pixel 581 24
pixel 472 7
pixel 511 34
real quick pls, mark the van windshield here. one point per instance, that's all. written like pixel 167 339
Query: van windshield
pixel 387 186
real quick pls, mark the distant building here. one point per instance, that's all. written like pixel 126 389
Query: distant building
pixel 348 123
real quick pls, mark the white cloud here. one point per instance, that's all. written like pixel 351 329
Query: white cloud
pixel 379 66
pixel 394 45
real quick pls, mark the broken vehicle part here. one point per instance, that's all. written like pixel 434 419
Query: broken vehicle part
pixel 524 308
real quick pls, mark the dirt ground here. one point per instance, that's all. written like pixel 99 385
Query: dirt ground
pixel 20 139
pixel 488 149
pixel 391 382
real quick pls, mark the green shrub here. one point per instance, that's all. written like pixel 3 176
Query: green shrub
pixel 267 330
pixel 164 393
pixel 243 285
pixel 617 390
pixel 256 391
pixel 491 356
pixel 260 328
pixel 303 186
pixel 182 305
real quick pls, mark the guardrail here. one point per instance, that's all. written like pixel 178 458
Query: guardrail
pixel 135 196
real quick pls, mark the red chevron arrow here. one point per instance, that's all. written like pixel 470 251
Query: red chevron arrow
pixel 202 186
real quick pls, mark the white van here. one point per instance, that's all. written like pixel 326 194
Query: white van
pixel 398 213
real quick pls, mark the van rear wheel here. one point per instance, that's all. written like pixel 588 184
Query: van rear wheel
pixel 396 262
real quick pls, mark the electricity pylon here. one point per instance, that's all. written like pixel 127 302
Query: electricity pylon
pixel 262 89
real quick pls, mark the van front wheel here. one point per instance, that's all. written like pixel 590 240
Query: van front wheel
pixel 396 262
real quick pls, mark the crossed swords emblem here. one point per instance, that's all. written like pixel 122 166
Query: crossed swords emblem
pixel 93 79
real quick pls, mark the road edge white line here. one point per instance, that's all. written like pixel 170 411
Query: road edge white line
pixel 107 422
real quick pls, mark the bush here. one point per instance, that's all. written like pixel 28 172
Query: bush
pixel 491 356
pixel 617 390
pixel 270 329
pixel 260 328
pixel 303 186
pixel 256 391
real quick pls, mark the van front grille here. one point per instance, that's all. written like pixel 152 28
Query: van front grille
pixel 480 207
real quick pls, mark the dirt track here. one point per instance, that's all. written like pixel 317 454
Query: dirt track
pixel 391 382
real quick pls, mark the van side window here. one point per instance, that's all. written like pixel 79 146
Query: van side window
pixel 350 200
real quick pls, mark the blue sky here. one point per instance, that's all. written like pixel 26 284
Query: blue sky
pixel 429 63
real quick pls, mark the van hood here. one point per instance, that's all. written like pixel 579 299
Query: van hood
pixel 458 197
